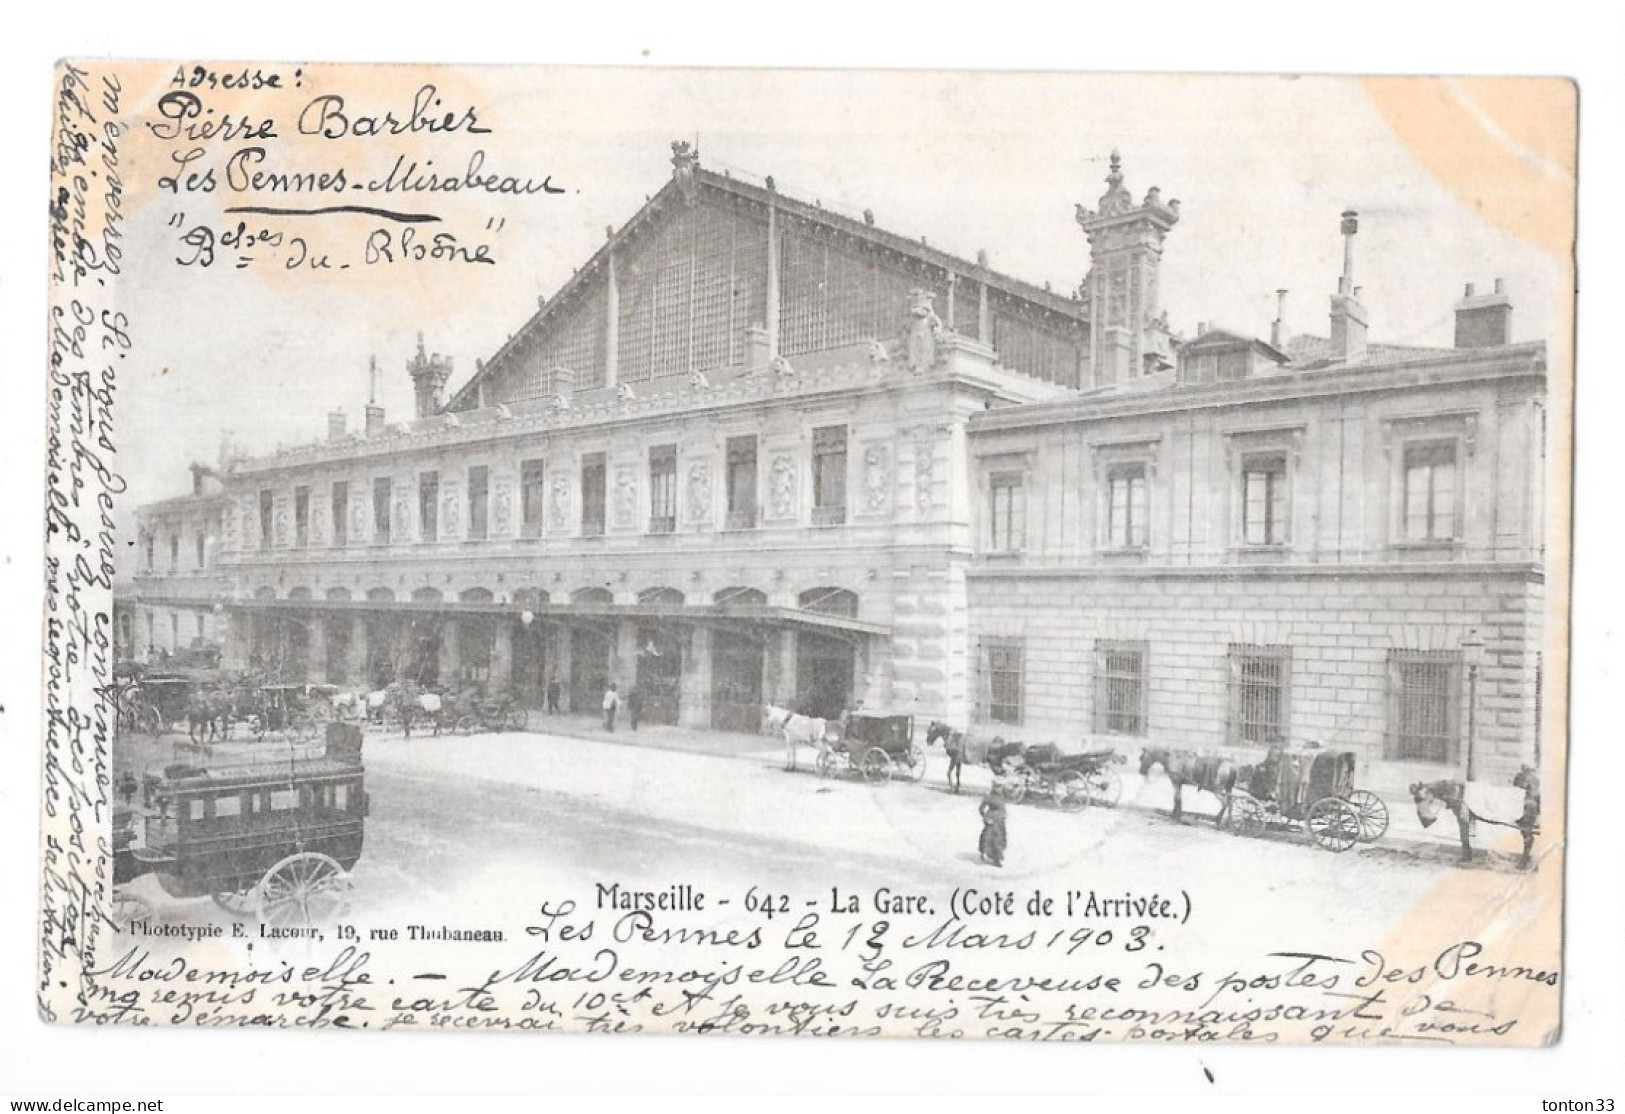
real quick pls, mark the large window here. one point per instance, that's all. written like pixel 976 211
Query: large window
pixel 1260 685
pixel 741 481
pixel 1263 499
pixel 592 494
pixel 1430 492
pixel 341 513
pixel 1424 701
pixel 147 544
pixel 174 551
pixel 1008 512
pixel 532 497
pixel 381 492
pixel 301 516
pixel 1120 688
pixel 265 519
pixel 1127 512
pixel 1004 666
pixel 479 503
pixel 202 547
pixel 829 475
pixel 429 506
pixel 662 489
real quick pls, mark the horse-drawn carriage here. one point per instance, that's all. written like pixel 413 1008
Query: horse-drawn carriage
pixel 275 838
pixel 877 745
pixel 152 703
pixel 1312 791
pixel 295 711
pixel 1042 773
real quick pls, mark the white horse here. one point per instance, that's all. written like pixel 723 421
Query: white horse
pixel 798 731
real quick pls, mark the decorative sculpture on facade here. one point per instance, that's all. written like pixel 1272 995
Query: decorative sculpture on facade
pixel 624 392
pixel 924 474
pixel 685 160
pixel 784 487
pixel 626 497
pixel 699 492
pixel 923 332
pixel 504 509
pixel 318 521
pixel 876 477
pixel 879 358
pixel 698 381
pixel 358 522
pixel 781 368
pixel 449 515
pixel 560 512
pixel 282 527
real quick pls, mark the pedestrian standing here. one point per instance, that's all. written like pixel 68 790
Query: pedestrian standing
pixel 553 695
pixel 995 836
pixel 634 706
pixel 612 701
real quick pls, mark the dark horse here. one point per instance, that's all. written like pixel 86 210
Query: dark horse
pixel 954 743
pixel 1210 772
pixel 1434 797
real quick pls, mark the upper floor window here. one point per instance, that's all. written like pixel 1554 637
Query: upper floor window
pixel 1127 506
pixel 429 506
pixel 201 546
pixel 592 494
pixel 829 475
pixel 147 544
pixel 265 519
pixel 1263 499
pixel 1430 492
pixel 479 491
pixel 174 551
pixel 1008 511
pixel 741 482
pixel 301 516
pixel 381 492
pixel 532 497
pixel 663 489
pixel 341 512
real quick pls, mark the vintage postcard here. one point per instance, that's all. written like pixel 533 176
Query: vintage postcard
pixel 930 554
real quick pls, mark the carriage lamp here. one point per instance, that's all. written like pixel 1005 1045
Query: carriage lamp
pixel 527 617
pixel 1472 654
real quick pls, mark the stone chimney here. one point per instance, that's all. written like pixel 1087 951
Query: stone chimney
pixel 1349 317
pixel 429 376
pixel 1279 337
pixel 335 425
pixel 1484 320
pixel 375 412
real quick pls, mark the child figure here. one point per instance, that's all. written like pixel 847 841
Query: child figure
pixel 994 834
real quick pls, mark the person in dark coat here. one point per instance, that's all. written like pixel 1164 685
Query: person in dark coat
pixel 553 694
pixel 995 836
pixel 634 706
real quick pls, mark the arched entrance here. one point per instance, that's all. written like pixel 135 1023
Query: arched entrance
pixel 736 667
pixel 660 658
pixel 381 636
pixel 530 656
pixel 826 664
pixel 592 649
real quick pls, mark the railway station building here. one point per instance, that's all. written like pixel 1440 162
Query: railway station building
pixel 759 451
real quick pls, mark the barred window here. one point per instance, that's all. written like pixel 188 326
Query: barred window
pixel 1430 492
pixel 1120 688
pixel 829 475
pixel 429 506
pixel 341 512
pixel 301 519
pixel 532 497
pixel 1263 500
pixel 1008 511
pixel 479 483
pixel 1126 510
pixel 380 510
pixel 1004 674
pixel 1424 705
pixel 1260 685
pixel 592 494
pixel 662 489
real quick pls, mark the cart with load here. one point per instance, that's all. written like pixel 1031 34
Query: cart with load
pixel 877 745
pixel 1311 791
pixel 1042 773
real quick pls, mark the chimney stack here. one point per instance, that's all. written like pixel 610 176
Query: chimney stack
pixel 1349 317
pixel 335 425
pixel 1278 333
pixel 1484 320
pixel 375 413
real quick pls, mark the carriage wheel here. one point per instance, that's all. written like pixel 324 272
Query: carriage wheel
pixel 149 722
pixel 1104 786
pixel 1072 792
pixel 916 762
pixel 1373 814
pixel 517 719
pixel 1247 817
pixel 876 765
pixel 467 725
pixel 1333 823
pixel 243 904
pixel 304 889
pixel 826 763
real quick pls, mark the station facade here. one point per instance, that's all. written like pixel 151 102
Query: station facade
pixel 759 452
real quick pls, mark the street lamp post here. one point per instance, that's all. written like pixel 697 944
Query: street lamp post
pixel 1472 653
